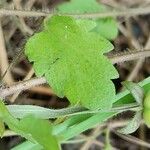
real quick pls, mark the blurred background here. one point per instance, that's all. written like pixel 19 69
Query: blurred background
pixel 134 35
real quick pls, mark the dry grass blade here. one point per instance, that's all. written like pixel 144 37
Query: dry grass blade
pixel 4 59
pixel 11 65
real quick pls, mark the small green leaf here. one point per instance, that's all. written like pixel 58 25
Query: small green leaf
pixel 12 122
pixel 106 27
pixel 87 24
pixel 28 127
pixel 136 90
pixel 80 7
pixel 133 124
pixel 75 67
pixel 40 130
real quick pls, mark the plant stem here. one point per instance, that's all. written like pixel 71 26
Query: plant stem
pixel 111 13
pixel 66 132
pixel 19 111
pixel 24 85
pixel 78 128
pixel 128 56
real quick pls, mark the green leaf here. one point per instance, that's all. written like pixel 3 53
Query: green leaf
pixel 27 145
pixel 28 127
pixel 78 124
pixel 72 60
pixel 146 117
pixel 125 97
pixel 133 124
pixel 136 91
pixel 86 23
pixel 106 27
pixel 80 7
pixel 20 111
pixel 73 127
pixel 146 102
pixel 40 130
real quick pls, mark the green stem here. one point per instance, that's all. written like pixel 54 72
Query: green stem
pixel 76 129
pixel 71 128
pixel 19 111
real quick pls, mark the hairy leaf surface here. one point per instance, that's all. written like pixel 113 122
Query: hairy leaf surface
pixel 71 58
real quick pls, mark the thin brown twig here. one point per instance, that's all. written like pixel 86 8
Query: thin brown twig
pixel 24 85
pixel 4 59
pixel 23 27
pixel 94 134
pixel 136 45
pixel 133 139
pixel 139 62
pixel 132 40
pixel 28 76
pixel 128 56
pixel 112 13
